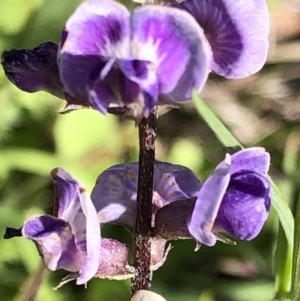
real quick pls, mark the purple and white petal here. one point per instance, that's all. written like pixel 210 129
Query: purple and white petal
pixel 75 207
pixel 175 49
pixel 237 32
pixel 97 31
pixel 86 230
pixel 33 70
pixel 255 159
pixel 66 189
pixel 208 203
pixel 114 195
pixel 144 75
pixel 174 182
pixel 245 206
pixel 55 242
pixel 102 79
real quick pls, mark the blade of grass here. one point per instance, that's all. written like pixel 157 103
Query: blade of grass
pixel 291 189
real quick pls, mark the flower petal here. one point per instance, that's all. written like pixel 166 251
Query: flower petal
pixel 97 31
pixel 86 229
pixel 143 74
pixel 115 192
pixel 245 206
pixel 66 194
pixel 55 242
pixel 175 182
pixel 208 203
pixel 34 70
pixel 254 159
pixel 174 47
pixel 237 32
pixel 76 207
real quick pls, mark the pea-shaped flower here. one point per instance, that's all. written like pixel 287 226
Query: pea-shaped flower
pixel 235 198
pixel 72 241
pixel 111 57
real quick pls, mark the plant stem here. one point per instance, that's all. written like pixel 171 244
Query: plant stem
pixel 142 242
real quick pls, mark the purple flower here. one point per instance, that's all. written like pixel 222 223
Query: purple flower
pixel 72 241
pixel 109 57
pixel 237 32
pixel 155 55
pixel 234 199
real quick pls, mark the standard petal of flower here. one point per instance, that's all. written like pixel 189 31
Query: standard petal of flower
pixel 176 49
pixel 245 206
pixel 97 31
pixel 237 32
pixel 114 260
pixel 114 195
pixel 34 70
pixel 254 159
pixel 87 235
pixel 55 242
pixel 208 203
pixel 66 188
pixel 76 207
pixel 174 182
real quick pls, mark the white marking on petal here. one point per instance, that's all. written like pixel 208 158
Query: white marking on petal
pixel 111 212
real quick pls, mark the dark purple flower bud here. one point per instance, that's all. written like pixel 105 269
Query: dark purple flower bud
pixel 71 240
pixel 237 32
pixel 156 55
pixel 34 70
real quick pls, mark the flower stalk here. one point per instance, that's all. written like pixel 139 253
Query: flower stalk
pixel 142 243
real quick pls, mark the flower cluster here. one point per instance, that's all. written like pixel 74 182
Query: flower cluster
pixel 155 55
pixel 234 199
pixel 110 58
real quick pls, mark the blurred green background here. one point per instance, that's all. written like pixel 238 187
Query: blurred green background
pixel 263 109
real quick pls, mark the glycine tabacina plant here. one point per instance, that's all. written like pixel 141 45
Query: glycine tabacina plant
pixel 129 63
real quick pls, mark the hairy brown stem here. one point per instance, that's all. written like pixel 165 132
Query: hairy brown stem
pixel 142 243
